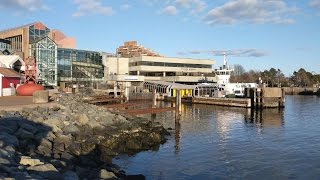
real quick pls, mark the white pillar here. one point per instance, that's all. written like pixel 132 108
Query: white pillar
pixel 138 73
pixel 164 74
pixel 115 89
pixel 127 91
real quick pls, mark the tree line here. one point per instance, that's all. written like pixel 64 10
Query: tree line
pixel 275 77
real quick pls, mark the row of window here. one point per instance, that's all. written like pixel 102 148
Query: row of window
pixel 37 33
pixel 166 64
pixel 79 56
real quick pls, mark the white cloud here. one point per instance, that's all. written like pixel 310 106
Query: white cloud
pixel 315 3
pixel 250 52
pixel 24 5
pixel 87 7
pixel 125 7
pixel 170 10
pixel 196 6
pixel 251 11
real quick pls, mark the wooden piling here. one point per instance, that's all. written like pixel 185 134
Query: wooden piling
pixel 178 105
pixel 154 98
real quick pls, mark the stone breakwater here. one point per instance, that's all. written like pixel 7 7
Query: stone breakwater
pixel 72 140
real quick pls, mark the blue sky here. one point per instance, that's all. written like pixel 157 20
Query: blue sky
pixel 258 34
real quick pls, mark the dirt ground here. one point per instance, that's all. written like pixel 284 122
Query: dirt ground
pixel 15 103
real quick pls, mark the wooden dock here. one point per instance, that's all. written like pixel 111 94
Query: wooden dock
pixel 106 100
pixel 148 110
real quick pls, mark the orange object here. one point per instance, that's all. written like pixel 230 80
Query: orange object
pixel 29 88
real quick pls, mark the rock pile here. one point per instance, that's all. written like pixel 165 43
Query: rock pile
pixel 73 140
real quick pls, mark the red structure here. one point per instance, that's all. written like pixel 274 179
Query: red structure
pixel 30 85
pixel 9 79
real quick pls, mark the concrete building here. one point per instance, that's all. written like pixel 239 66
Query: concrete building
pixel 150 68
pixel 37 41
pixel 62 40
pixel 132 49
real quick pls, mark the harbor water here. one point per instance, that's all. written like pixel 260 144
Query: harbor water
pixel 213 142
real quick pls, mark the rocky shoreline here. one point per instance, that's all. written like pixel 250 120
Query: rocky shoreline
pixel 71 140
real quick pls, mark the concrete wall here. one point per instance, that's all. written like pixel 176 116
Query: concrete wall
pixel 234 102
pixel 24 32
pixel 272 92
pixel 111 65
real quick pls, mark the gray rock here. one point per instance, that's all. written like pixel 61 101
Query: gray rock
pixel 120 119
pixel 46 143
pixel 24 134
pixel 20 175
pixel 29 128
pixel 7 139
pixel 48 135
pixel 82 119
pixel 104 174
pixel 71 129
pixel 10 122
pixel 45 170
pixel 94 124
pixel 38 119
pixel 70 175
pixel 75 148
pixel 58 163
pixel 54 121
pixel 65 139
pixel 5 129
pixel 66 156
pixel 26 160
pixel 44 151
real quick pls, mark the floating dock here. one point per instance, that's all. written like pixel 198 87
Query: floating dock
pixel 258 98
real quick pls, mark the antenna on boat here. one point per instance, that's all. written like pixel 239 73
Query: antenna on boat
pixel 224 60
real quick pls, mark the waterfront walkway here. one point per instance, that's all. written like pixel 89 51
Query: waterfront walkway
pixel 14 103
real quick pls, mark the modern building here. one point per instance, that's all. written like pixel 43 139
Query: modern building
pixel 5 47
pixel 44 51
pixel 136 67
pixel 81 66
pixel 132 49
pixel 52 49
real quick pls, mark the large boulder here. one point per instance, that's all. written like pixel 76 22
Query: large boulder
pixel 71 129
pixel 26 160
pixel 45 170
pixel 82 119
pixel 104 174
pixel 41 96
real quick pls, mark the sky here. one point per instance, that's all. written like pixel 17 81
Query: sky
pixel 257 34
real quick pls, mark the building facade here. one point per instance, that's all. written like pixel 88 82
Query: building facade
pixel 79 66
pixel 44 51
pixel 55 54
pixel 150 68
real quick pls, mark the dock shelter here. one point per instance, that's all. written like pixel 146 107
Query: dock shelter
pixel 170 89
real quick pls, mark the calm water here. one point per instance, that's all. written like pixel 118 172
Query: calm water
pixel 223 143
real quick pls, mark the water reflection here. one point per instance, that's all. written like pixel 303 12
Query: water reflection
pixel 177 136
pixel 265 118
pixel 214 142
